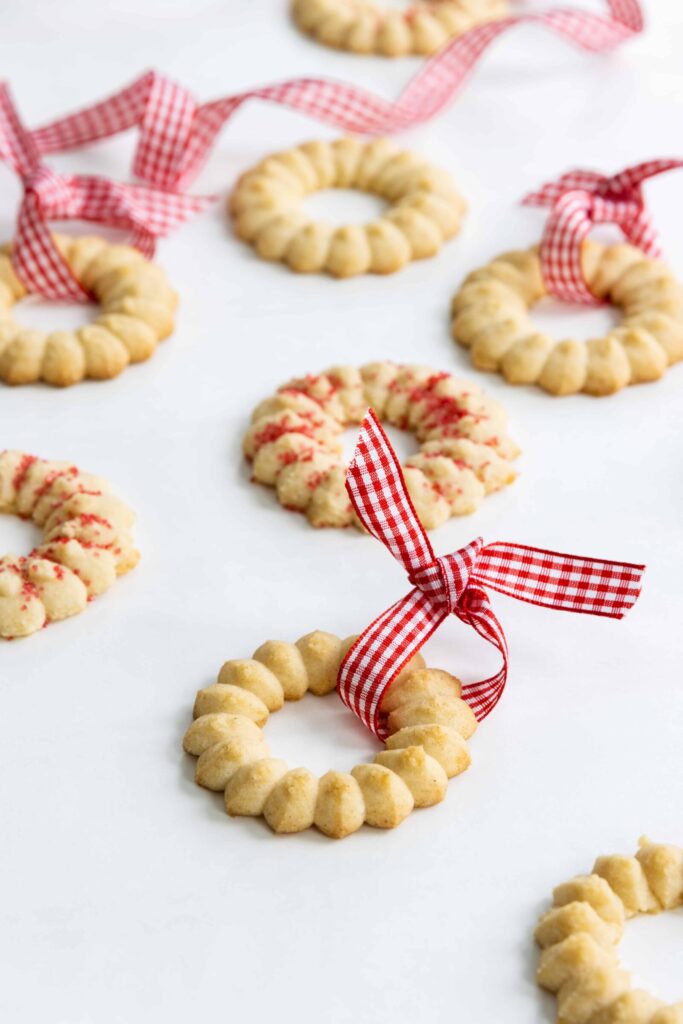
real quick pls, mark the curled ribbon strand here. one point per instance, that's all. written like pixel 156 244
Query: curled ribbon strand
pixel 578 201
pixel 176 134
pixel 145 212
pixel 455 584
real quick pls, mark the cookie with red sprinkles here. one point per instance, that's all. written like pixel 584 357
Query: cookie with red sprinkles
pixel 86 545
pixel 465 453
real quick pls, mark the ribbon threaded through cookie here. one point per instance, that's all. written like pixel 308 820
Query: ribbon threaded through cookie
pixel 454 585
pixel 144 211
pixel 578 201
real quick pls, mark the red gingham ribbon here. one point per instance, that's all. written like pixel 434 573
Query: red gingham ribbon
pixel 146 212
pixel 454 585
pixel 581 199
pixel 176 134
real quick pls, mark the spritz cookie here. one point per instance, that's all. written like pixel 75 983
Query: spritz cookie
pixel 579 936
pixel 86 542
pixel 137 310
pixel 429 727
pixel 268 210
pixel 490 318
pixel 465 452
pixel 363 26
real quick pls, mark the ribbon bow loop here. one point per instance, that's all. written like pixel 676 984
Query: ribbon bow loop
pixel 146 213
pixel 454 584
pixel 163 110
pixel 579 200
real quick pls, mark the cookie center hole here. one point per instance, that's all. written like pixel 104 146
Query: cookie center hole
pixel 17 536
pixel 403 442
pixel 40 314
pixel 319 733
pixel 341 206
pixel 652 948
pixel 569 320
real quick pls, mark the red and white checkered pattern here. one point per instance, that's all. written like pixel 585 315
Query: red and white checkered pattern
pixel 162 110
pixel 176 134
pixel 454 585
pixel 145 212
pixel 578 201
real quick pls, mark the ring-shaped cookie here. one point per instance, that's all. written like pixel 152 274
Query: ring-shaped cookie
pixel 426 209
pixel 137 311
pixel 86 543
pixel 465 453
pixel 490 318
pixel 363 26
pixel 579 935
pixel 429 726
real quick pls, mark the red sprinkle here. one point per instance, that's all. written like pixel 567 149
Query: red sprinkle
pixel 25 464
pixel 274 431
pixel 315 479
pixel 50 479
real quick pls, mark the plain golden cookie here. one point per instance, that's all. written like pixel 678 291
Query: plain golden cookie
pixel 465 453
pixel 490 317
pixel 363 26
pixel 412 771
pixel 579 936
pixel 87 542
pixel 424 208
pixel 137 310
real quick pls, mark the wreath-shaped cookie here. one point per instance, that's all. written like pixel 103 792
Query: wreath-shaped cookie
pixel 86 542
pixel 465 453
pixel 429 727
pixel 579 935
pixel 490 317
pixel 364 26
pixel 137 311
pixel 426 209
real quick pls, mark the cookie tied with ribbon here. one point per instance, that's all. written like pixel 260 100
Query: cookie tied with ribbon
pixel 145 212
pixel 578 201
pixel 455 584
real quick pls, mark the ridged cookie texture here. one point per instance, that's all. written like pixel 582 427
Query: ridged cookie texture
pixel 86 544
pixel 579 935
pixel 363 26
pixel 137 310
pixel 425 208
pixel 428 722
pixel 465 452
pixel 490 318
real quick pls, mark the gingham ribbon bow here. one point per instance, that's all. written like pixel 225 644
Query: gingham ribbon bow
pixel 578 201
pixel 145 212
pixel 176 133
pixel 454 585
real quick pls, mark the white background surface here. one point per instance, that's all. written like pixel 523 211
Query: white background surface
pixel 128 895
